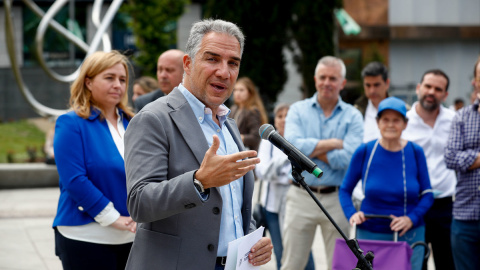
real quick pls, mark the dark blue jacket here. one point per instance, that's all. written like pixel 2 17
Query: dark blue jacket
pixel 91 170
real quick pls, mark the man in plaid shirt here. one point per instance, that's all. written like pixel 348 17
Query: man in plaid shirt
pixel 463 155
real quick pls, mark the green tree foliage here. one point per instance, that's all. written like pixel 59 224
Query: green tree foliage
pixel 269 26
pixel 311 28
pixel 154 25
pixel 264 24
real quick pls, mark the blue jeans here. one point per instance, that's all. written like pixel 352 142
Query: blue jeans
pixel 413 235
pixel 276 235
pixel 466 244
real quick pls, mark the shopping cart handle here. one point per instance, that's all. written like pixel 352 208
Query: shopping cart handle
pixel 378 216
pixel 395 234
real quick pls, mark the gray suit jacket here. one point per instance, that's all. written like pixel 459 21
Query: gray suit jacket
pixel 143 100
pixel 164 145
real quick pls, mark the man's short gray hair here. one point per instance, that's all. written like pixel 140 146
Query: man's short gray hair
pixel 201 28
pixel 332 61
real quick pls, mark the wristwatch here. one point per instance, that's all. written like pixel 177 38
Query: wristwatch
pixel 198 184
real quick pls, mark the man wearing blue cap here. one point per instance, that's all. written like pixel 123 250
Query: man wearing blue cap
pixel 428 126
pixel 327 130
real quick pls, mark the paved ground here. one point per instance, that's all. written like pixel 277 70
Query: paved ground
pixel 26 236
pixel 26 241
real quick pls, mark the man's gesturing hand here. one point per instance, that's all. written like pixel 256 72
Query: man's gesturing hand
pixel 216 171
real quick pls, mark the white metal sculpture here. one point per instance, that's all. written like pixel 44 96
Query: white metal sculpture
pixel 47 21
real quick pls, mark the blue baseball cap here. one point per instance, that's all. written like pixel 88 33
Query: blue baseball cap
pixel 392 103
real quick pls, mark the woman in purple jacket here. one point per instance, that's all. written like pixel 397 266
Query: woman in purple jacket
pixel 93 229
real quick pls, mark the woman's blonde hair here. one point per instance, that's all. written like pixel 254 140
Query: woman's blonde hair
pixel 81 99
pixel 254 101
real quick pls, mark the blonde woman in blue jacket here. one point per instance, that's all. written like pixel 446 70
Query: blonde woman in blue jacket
pixel 93 229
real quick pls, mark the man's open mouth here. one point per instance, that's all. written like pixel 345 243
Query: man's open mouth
pixel 219 87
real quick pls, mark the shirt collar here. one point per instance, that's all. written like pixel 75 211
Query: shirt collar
pixel 95 113
pixel 314 102
pixel 371 108
pixel 200 110
pixel 413 110
pixel 119 115
pixel 475 105
pixel 412 113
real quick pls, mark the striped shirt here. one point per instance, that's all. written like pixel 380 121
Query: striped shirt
pixel 462 149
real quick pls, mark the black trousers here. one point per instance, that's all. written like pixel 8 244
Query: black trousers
pixel 80 255
pixel 438 221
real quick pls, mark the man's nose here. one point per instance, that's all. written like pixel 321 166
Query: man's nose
pixel 430 91
pixel 223 70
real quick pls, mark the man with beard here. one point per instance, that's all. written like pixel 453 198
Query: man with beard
pixel 429 125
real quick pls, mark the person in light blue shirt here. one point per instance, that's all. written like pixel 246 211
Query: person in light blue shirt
pixel 327 130
pixel 189 178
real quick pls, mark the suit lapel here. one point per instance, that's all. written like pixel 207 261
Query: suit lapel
pixel 230 123
pixel 184 118
pixel 248 178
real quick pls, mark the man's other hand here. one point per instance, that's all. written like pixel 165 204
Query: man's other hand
pixel 261 252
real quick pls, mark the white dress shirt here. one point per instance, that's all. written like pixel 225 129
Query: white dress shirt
pixel 370 133
pixel 370 127
pixel 433 141
pixel 274 169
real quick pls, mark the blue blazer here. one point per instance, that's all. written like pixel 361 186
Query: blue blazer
pixel 91 170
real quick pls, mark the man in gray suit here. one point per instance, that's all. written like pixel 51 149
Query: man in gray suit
pixel 169 75
pixel 189 178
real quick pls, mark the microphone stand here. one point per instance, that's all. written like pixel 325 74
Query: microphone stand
pixel 364 262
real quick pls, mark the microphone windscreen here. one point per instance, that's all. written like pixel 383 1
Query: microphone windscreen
pixel 265 131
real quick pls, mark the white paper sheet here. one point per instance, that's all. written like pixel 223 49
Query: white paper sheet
pixel 238 250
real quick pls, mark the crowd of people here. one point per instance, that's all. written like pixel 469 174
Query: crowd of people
pixel 170 182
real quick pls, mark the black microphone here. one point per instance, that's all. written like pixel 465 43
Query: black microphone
pixel 298 159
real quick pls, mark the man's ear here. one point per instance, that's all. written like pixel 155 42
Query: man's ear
pixel 445 97
pixel 417 89
pixel 187 64
pixel 344 82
